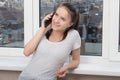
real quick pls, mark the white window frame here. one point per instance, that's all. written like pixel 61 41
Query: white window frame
pixel 110 34
pixel 36 16
pixel 105 39
pixel 28 27
pixel 114 31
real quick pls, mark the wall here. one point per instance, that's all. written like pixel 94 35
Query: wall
pixel 13 75
pixel 89 77
pixel 9 75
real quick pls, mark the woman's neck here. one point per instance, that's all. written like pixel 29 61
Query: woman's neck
pixel 56 36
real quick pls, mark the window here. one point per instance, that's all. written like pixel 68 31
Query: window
pixel 108 38
pixel 102 44
pixel 15 26
pixel 90 29
pixel 91 22
pixel 12 24
pixel 114 31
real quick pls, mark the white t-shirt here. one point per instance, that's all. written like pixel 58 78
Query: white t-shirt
pixel 50 56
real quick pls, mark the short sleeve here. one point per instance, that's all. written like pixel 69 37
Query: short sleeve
pixel 76 41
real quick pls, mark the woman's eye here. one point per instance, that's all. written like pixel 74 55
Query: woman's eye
pixel 56 14
pixel 63 19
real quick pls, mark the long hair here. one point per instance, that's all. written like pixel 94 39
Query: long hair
pixel 75 18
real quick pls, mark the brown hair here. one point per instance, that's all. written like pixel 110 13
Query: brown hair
pixel 75 17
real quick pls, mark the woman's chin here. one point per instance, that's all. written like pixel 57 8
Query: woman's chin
pixel 55 28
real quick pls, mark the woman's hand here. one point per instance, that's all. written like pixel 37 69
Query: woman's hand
pixel 72 65
pixel 47 17
pixel 61 72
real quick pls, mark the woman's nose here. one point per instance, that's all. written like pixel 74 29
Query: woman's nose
pixel 57 20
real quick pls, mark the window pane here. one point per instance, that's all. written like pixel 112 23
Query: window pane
pixel 90 29
pixel 11 23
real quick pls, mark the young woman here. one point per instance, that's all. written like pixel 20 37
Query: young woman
pixel 52 45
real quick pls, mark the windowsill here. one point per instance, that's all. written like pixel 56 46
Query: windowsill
pixel 13 64
pixel 97 69
pixel 84 68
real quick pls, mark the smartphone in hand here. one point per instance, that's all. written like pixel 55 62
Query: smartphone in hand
pixel 47 22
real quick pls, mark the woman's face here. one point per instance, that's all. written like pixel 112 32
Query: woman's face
pixel 61 19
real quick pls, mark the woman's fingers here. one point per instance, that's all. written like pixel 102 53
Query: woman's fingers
pixel 47 17
pixel 60 74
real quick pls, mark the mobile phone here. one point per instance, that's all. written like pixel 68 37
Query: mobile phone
pixel 47 22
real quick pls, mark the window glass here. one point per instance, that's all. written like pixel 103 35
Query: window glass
pixel 11 23
pixel 90 29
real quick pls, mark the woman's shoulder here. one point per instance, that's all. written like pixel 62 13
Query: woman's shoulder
pixel 74 36
pixel 73 32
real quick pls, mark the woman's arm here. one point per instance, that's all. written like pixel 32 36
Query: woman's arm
pixel 31 46
pixel 72 65
pixel 75 59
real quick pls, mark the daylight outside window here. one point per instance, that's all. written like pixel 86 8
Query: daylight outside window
pixel 12 23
